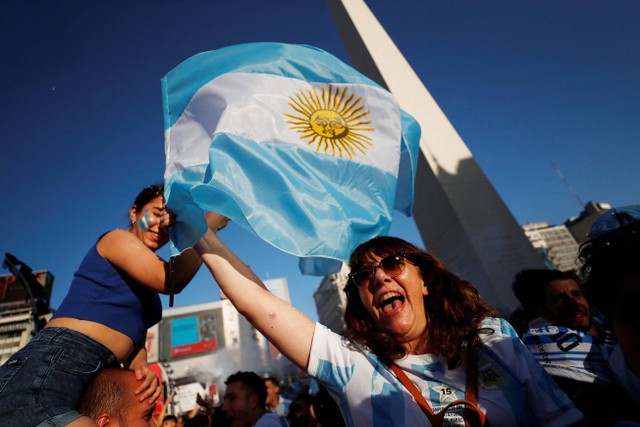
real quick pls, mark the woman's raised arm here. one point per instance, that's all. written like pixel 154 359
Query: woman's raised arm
pixel 129 254
pixel 283 325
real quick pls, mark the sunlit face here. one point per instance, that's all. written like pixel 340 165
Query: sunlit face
pixel 237 405
pixel 272 393
pixel 566 305
pixel 138 414
pixel 397 303
pixel 147 224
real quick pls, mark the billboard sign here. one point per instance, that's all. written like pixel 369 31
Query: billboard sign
pixel 192 334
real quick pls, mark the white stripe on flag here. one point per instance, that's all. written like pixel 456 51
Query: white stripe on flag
pixel 259 107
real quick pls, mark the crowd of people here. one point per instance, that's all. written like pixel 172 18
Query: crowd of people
pixel 420 345
pixel 248 400
pixel 579 325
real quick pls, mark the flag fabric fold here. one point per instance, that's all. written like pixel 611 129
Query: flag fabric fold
pixel 290 143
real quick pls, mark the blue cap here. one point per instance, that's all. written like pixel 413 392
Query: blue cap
pixel 613 220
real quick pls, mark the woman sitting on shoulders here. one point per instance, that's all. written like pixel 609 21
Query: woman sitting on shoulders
pixel 102 322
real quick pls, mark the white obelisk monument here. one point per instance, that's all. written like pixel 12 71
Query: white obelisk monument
pixel 460 216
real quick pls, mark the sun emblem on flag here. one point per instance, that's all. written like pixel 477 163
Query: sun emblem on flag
pixel 332 120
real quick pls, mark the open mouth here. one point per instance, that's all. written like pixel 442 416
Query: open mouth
pixel 390 302
pixel 576 313
pixel 576 316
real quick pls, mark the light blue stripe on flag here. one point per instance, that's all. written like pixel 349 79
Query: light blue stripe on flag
pixel 291 144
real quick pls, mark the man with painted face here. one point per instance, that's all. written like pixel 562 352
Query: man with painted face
pixel 571 346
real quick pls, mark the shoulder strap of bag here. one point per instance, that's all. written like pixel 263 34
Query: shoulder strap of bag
pixel 411 387
pixel 471 392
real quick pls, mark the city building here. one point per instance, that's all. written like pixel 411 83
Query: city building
pixel 195 348
pixel 198 346
pixel 279 288
pixel 331 301
pixel 18 302
pixel 555 243
pixel 579 226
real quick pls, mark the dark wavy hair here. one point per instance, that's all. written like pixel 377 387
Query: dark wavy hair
pixel 147 194
pixel 453 306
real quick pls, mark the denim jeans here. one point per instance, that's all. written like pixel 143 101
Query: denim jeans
pixel 42 383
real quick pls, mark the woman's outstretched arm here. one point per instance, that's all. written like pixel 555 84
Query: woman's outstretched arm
pixel 283 325
pixel 129 254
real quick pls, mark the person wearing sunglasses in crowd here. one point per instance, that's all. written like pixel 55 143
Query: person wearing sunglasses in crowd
pixel 102 322
pixel 414 331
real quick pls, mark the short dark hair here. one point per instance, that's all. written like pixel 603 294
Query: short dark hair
pixel 273 381
pixel 106 393
pixel 529 286
pixel 252 382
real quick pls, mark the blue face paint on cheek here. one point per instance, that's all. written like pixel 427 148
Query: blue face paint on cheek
pixel 144 223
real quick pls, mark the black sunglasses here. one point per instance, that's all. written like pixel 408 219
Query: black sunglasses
pixel 392 265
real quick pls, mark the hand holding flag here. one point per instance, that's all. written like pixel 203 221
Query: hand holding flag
pixel 290 143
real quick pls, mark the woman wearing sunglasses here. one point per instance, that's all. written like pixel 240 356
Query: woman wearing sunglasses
pixel 421 348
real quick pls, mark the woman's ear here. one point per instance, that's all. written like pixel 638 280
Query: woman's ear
pixel 132 214
pixel 425 290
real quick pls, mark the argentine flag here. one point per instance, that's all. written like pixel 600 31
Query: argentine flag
pixel 290 143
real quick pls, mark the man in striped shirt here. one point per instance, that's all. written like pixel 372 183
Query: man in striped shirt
pixel 571 346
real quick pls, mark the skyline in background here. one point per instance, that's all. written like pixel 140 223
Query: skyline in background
pixel 525 85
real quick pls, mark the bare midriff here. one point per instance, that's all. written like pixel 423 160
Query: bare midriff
pixel 120 344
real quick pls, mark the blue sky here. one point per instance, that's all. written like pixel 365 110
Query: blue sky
pixel 525 84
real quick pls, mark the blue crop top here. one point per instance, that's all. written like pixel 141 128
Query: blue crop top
pixel 101 293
